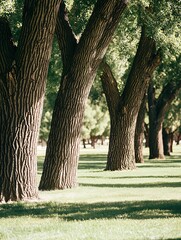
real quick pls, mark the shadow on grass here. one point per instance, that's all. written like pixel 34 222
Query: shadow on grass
pixel 103 210
pixel 138 185
pixel 98 161
pixel 131 177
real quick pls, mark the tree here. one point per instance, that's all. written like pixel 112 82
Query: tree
pixel 139 132
pixel 158 106
pixel 23 70
pixel 80 64
pixel 171 125
pixel 124 109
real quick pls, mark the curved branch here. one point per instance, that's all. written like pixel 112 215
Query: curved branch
pixel 110 88
pixel 66 38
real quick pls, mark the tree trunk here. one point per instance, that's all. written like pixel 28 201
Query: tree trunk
pixel 124 109
pixel 22 87
pixel 80 66
pixel 139 132
pixel 146 134
pixel 156 142
pixel 121 154
pixel 167 142
pixel 157 110
pixel 155 128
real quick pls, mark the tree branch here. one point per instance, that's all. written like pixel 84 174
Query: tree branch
pixel 167 95
pixel 110 88
pixel 66 38
pixel 99 30
pixel 110 27
pixel 144 64
pixel 7 48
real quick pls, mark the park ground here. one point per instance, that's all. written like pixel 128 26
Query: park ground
pixel 141 204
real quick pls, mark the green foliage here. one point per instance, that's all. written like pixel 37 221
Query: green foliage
pixel 45 126
pixel 12 10
pixel 96 120
pixel 80 11
pixel 6 7
pixel 172 119
pixel 162 20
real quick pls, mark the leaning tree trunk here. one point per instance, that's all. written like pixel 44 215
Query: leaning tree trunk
pixel 124 109
pixel 139 132
pixel 23 73
pixel 80 66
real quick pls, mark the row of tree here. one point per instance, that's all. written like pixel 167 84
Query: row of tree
pixel 23 71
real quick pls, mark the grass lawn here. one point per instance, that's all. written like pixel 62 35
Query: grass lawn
pixel 140 204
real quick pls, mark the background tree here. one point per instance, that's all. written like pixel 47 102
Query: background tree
pixel 171 125
pixel 23 70
pixel 124 109
pixel 149 16
pixel 159 104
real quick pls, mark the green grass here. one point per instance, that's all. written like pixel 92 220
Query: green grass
pixel 140 204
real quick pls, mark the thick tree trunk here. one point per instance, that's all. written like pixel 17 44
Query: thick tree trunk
pixel 121 155
pixel 80 66
pixel 156 142
pixel 64 144
pixel 139 132
pixel 124 109
pixel 19 135
pixel 22 87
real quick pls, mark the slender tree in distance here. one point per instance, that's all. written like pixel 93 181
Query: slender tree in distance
pixel 23 71
pixel 80 64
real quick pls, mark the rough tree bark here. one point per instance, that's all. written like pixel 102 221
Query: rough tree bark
pixel 157 110
pixel 23 71
pixel 124 109
pixel 139 132
pixel 80 63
